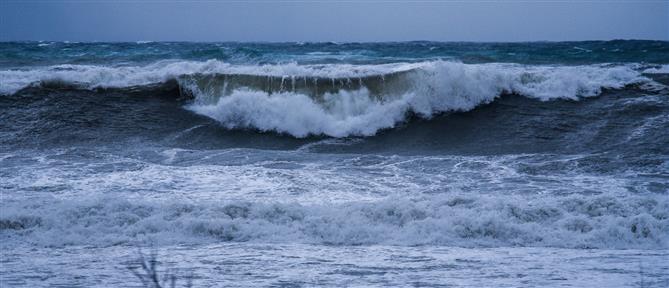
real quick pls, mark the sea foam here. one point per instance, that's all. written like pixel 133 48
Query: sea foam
pixel 436 87
pixel 573 222
pixel 423 89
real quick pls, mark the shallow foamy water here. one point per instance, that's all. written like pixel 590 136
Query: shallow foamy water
pixel 290 265
pixel 290 218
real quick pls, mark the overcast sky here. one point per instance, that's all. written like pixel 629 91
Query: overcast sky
pixel 370 20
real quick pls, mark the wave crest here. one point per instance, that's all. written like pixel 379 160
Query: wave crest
pixel 373 103
pixel 337 100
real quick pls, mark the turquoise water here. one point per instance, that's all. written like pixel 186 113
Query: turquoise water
pixel 17 54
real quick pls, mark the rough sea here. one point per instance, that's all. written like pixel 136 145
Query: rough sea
pixel 412 164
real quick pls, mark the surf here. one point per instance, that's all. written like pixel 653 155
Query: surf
pixel 336 100
pixel 362 106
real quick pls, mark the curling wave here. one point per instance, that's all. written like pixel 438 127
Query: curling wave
pixel 363 106
pixel 336 100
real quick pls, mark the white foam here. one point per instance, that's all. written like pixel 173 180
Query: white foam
pixel 437 87
pixel 295 197
pixel 663 69
pixel 343 114
pixel 602 222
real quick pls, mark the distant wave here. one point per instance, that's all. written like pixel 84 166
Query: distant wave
pixel 336 99
pixel 662 69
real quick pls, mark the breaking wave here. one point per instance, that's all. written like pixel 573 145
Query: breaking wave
pixel 594 222
pixel 336 100
pixel 659 69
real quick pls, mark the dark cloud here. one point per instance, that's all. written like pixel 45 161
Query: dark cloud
pixel 333 20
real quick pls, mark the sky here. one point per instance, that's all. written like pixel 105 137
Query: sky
pixel 332 20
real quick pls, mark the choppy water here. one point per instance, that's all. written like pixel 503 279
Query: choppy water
pixel 326 164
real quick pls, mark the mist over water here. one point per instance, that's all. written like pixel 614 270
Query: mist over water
pixel 403 160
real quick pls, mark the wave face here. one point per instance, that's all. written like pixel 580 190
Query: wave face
pixel 336 100
pixel 431 88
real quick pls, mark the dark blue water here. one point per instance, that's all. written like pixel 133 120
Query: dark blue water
pixel 17 54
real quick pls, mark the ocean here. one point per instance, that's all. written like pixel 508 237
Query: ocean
pixel 410 164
